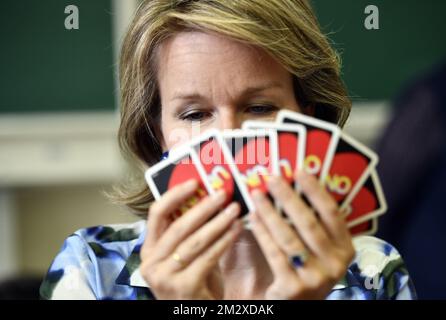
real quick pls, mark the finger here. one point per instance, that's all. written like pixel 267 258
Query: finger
pixel 181 228
pixel 311 276
pixel 208 259
pixel 284 234
pixel 201 239
pixel 161 210
pixel 315 277
pixel 276 258
pixel 324 204
pixel 312 233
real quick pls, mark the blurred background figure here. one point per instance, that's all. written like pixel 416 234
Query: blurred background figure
pixel 412 167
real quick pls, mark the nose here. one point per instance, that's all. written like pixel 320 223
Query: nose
pixel 229 119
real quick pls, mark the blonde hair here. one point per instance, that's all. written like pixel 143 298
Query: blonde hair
pixel 286 29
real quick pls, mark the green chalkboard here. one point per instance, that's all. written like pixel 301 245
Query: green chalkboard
pixel 377 63
pixel 45 67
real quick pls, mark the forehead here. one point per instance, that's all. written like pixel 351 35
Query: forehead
pixel 198 58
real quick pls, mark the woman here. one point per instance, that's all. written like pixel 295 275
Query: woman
pixel 213 64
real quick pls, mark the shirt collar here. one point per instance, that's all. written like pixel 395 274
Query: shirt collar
pixel 130 275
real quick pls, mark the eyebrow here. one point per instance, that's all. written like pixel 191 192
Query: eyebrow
pixel 247 92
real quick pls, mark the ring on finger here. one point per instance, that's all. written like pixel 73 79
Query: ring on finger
pixel 177 258
pixel 298 259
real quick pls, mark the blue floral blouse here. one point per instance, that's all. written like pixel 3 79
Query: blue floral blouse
pixel 103 263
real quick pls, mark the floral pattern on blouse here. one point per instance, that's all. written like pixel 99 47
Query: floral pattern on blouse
pixel 103 263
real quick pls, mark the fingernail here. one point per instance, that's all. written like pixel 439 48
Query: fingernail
pixel 257 195
pixel 252 216
pixel 191 183
pixel 232 209
pixel 303 175
pixel 220 195
pixel 273 180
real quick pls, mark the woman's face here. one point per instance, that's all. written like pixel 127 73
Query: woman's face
pixel 208 81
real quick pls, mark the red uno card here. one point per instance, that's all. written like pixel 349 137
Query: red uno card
pixel 321 139
pixel 351 164
pixel 251 152
pixel 367 228
pixel 287 146
pixel 219 168
pixel 178 168
pixel 369 202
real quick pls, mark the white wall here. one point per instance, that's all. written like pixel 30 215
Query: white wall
pixel 8 226
pixel 47 215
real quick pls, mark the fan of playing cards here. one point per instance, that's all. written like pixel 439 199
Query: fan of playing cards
pixel 241 160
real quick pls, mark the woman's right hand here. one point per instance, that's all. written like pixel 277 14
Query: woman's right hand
pixel 178 257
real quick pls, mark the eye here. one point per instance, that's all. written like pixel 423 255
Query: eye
pixel 261 109
pixel 195 116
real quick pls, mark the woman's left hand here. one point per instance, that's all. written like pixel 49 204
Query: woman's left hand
pixel 324 242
